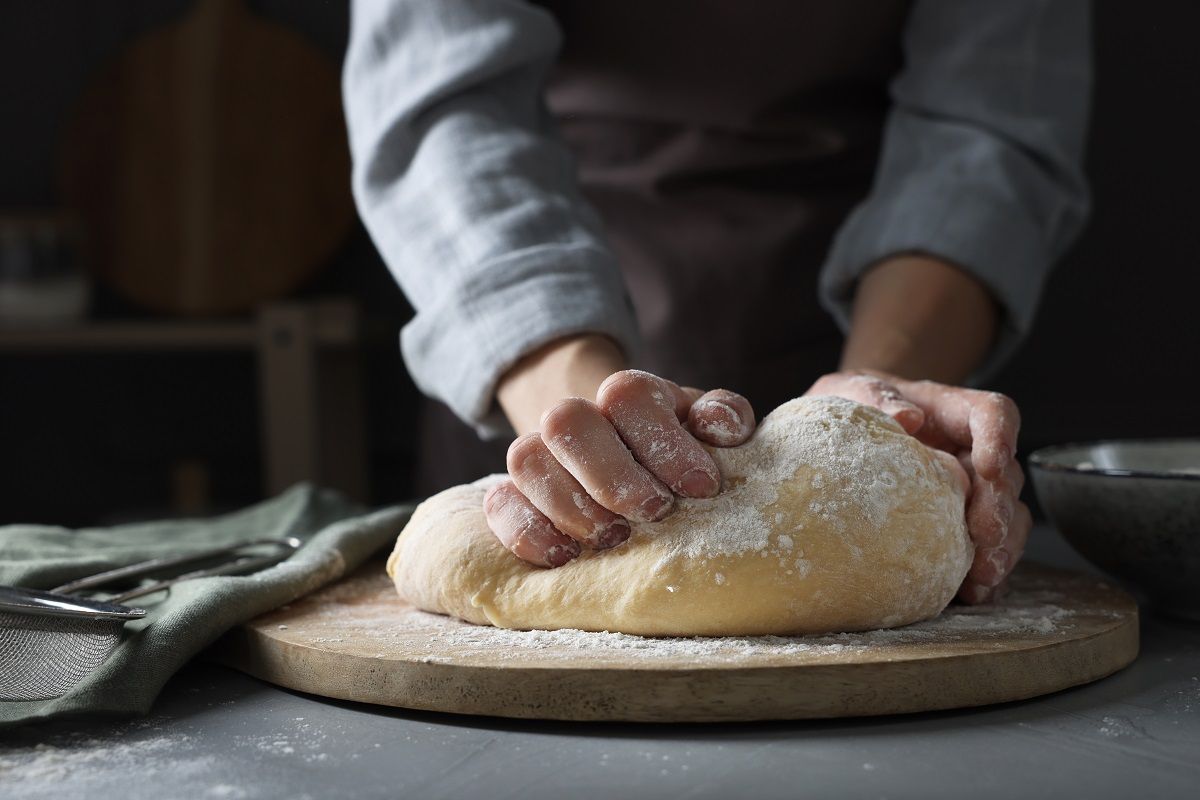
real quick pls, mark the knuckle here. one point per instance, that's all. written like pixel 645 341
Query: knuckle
pixel 872 386
pixel 498 495
pixel 524 450
pixel 1001 404
pixel 888 393
pixel 725 396
pixel 632 384
pixel 633 498
pixel 566 412
pixel 863 379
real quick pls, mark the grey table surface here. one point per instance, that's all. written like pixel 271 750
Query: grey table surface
pixel 216 733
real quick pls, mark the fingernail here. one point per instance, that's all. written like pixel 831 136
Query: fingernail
pixel 615 534
pixel 656 508
pixel 723 427
pixel 904 410
pixel 697 483
pixel 560 554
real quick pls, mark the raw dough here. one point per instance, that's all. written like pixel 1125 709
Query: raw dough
pixel 831 518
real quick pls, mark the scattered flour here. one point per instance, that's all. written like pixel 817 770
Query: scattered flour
pixel 153 751
pixel 77 765
pixel 382 628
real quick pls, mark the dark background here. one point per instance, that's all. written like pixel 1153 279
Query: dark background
pixel 89 439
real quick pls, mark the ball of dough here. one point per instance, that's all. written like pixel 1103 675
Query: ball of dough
pixel 831 518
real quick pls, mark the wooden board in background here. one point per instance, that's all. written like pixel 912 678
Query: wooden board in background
pixel 357 640
pixel 209 163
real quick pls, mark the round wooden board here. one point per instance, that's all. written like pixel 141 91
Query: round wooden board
pixel 209 164
pixel 357 640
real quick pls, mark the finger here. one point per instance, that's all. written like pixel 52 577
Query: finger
pixel 964 460
pixel 684 397
pixel 1015 476
pixel 933 436
pixel 1003 493
pixel 872 391
pixel 987 422
pixel 998 524
pixel 524 530
pixel 639 405
pixel 586 444
pixel 1000 592
pixel 984 581
pixel 991 509
pixel 555 492
pixel 974 594
pixel 721 418
pixel 995 424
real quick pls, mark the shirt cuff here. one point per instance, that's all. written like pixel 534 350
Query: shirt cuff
pixel 970 227
pixel 458 347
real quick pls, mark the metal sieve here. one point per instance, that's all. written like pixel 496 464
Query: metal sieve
pixel 50 640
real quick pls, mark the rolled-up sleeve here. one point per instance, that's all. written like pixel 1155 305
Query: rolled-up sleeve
pixel 470 196
pixel 982 154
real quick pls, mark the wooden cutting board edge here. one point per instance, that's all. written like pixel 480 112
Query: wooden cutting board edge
pixel 712 692
pixel 700 695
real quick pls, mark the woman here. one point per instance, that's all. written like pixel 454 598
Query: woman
pixel 566 189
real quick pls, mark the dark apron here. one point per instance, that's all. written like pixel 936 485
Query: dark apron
pixel 723 143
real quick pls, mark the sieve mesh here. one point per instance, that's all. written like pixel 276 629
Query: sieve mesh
pixel 42 657
pixel 50 640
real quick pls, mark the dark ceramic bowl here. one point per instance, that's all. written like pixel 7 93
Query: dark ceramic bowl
pixel 1132 508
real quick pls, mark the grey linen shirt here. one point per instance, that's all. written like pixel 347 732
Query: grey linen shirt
pixel 471 197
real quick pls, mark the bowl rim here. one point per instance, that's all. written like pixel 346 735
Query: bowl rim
pixel 1039 458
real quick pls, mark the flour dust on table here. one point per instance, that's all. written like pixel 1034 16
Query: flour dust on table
pixel 830 519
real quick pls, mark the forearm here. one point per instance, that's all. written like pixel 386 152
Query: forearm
pixel 573 366
pixel 470 196
pixel 920 318
pixel 982 164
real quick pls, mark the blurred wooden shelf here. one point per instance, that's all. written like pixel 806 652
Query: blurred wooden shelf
pixel 311 403
pixel 152 335
pixel 330 324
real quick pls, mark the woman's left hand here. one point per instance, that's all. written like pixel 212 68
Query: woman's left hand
pixel 979 429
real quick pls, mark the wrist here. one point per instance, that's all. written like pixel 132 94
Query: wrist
pixel 919 317
pixel 573 366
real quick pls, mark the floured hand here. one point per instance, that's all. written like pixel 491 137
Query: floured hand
pixel 593 466
pixel 979 429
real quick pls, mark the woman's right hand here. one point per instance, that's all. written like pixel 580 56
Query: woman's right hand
pixel 591 467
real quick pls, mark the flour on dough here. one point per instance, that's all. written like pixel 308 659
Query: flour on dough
pixel 831 518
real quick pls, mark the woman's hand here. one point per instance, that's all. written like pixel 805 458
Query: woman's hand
pixel 980 430
pixel 592 467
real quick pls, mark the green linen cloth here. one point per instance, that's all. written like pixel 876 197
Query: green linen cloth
pixel 337 534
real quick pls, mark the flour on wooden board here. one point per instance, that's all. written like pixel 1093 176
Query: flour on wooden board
pixel 1034 612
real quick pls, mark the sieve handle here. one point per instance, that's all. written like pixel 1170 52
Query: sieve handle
pixel 284 548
